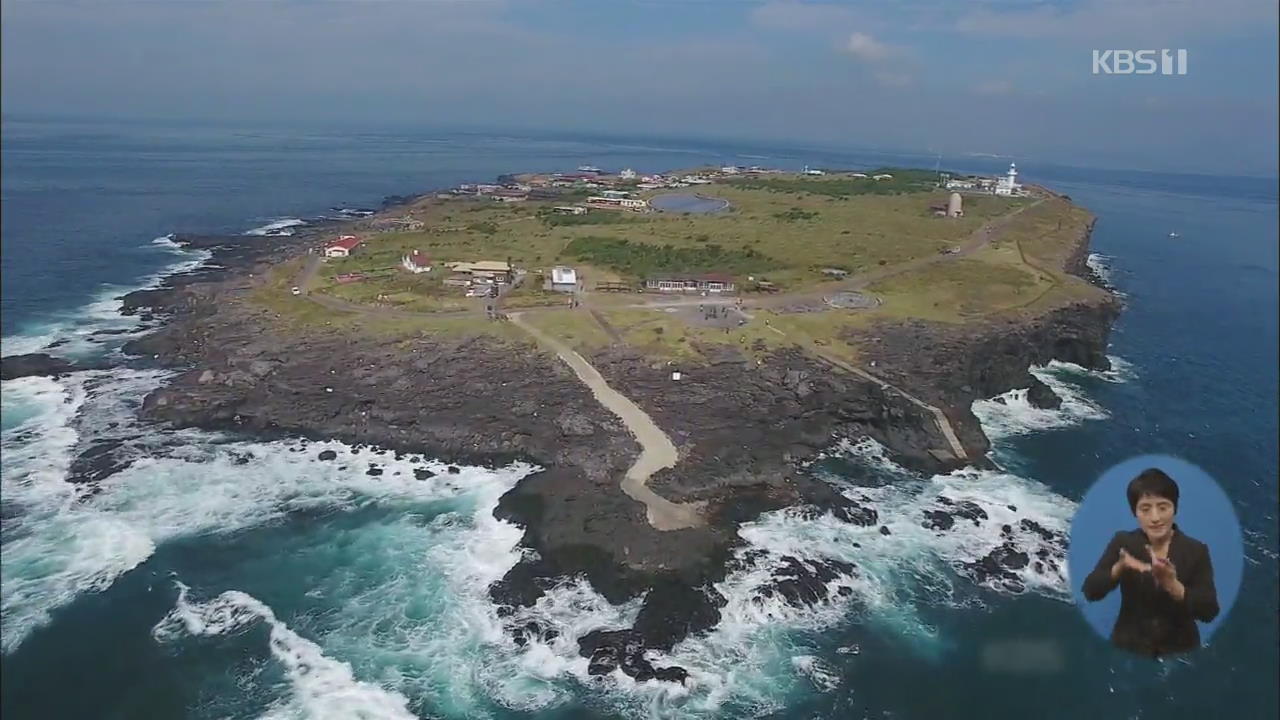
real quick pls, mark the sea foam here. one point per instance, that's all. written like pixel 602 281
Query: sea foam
pixel 322 687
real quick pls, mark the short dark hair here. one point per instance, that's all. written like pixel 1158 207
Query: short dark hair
pixel 1152 481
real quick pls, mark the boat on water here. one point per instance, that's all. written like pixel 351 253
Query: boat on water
pixel 1174 235
pixel 589 168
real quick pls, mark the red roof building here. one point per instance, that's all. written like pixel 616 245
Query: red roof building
pixel 342 247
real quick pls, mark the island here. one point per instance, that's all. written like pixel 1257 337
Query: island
pixel 672 350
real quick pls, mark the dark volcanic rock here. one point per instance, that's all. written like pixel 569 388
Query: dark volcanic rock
pixel 423 474
pixel 327 455
pixel 35 364
pixel 745 432
pixel 99 462
pixel 995 570
pixel 613 649
pixel 952 367
pixel 938 520
pixel 1042 396
pixel 804 582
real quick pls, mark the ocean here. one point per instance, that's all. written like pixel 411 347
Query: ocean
pixel 223 577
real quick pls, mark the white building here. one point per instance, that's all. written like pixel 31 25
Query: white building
pixel 807 171
pixel 564 279
pixel 569 210
pixel 627 174
pixel 614 202
pixel 882 176
pixel 1008 185
pixel 729 169
pixel 415 262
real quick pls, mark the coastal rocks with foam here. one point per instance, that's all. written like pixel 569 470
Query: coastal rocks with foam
pixel 13 367
pixel 954 367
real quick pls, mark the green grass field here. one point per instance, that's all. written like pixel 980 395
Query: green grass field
pixel 786 229
pixel 786 237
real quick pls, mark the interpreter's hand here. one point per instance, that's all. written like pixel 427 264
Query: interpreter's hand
pixel 1165 573
pixel 1129 562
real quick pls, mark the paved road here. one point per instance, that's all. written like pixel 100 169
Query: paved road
pixel 657 452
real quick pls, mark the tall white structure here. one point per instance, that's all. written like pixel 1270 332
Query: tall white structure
pixel 627 174
pixel 1008 185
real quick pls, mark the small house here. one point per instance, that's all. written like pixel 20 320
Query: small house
pixel 416 262
pixel 624 203
pixel 569 210
pixel 564 279
pixel 342 247
pixel 882 176
pixel 716 283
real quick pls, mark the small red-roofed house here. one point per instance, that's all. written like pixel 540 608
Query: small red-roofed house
pixel 416 262
pixel 342 247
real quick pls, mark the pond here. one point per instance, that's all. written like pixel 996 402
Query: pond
pixel 688 203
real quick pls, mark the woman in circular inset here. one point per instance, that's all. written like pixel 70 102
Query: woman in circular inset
pixel 1165 576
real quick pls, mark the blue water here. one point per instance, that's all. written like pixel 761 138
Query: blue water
pixel 322 592
pixel 687 203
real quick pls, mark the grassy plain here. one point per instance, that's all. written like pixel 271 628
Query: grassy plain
pixel 785 229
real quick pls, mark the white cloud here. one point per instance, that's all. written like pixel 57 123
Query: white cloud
pixel 867 49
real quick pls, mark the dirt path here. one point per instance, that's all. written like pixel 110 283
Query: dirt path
pixel 657 452
pixel 940 418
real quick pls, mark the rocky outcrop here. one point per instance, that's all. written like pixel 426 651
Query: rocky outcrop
pixel 744 432
pixel 951 366
pixel 35 364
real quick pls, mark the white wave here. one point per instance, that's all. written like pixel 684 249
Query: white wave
pixel 1097 262
pixel 322 687
pixel 53 549
pixel 1122 371
pixel 280 226
pixel 79 334
pixel 823 677
pixel 64 541
pixel 748 664
pixel 1011 414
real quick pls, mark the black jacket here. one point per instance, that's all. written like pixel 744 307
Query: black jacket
pixel 1151 622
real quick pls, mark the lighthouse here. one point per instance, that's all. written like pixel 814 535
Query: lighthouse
pixel 1008 185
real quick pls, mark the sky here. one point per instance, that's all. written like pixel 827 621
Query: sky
pixel 1002 77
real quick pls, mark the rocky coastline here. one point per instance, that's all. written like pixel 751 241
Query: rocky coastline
pixel 745 431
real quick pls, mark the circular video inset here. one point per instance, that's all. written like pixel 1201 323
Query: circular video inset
pixel 1155 556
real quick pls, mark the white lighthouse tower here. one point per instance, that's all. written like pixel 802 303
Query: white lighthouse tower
pixel 1008 185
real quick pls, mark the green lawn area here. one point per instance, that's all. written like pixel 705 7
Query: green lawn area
pixel 575 327
pixel 1018 272
pixel 664 336
pixel 783 228
pixel 843 185
pixel 786 237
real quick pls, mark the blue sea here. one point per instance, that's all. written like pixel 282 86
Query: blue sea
pixel 223 577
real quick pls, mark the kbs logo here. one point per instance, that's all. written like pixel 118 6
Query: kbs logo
pixel 1139 62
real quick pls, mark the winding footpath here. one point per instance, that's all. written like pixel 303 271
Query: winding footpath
pixel 657 452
